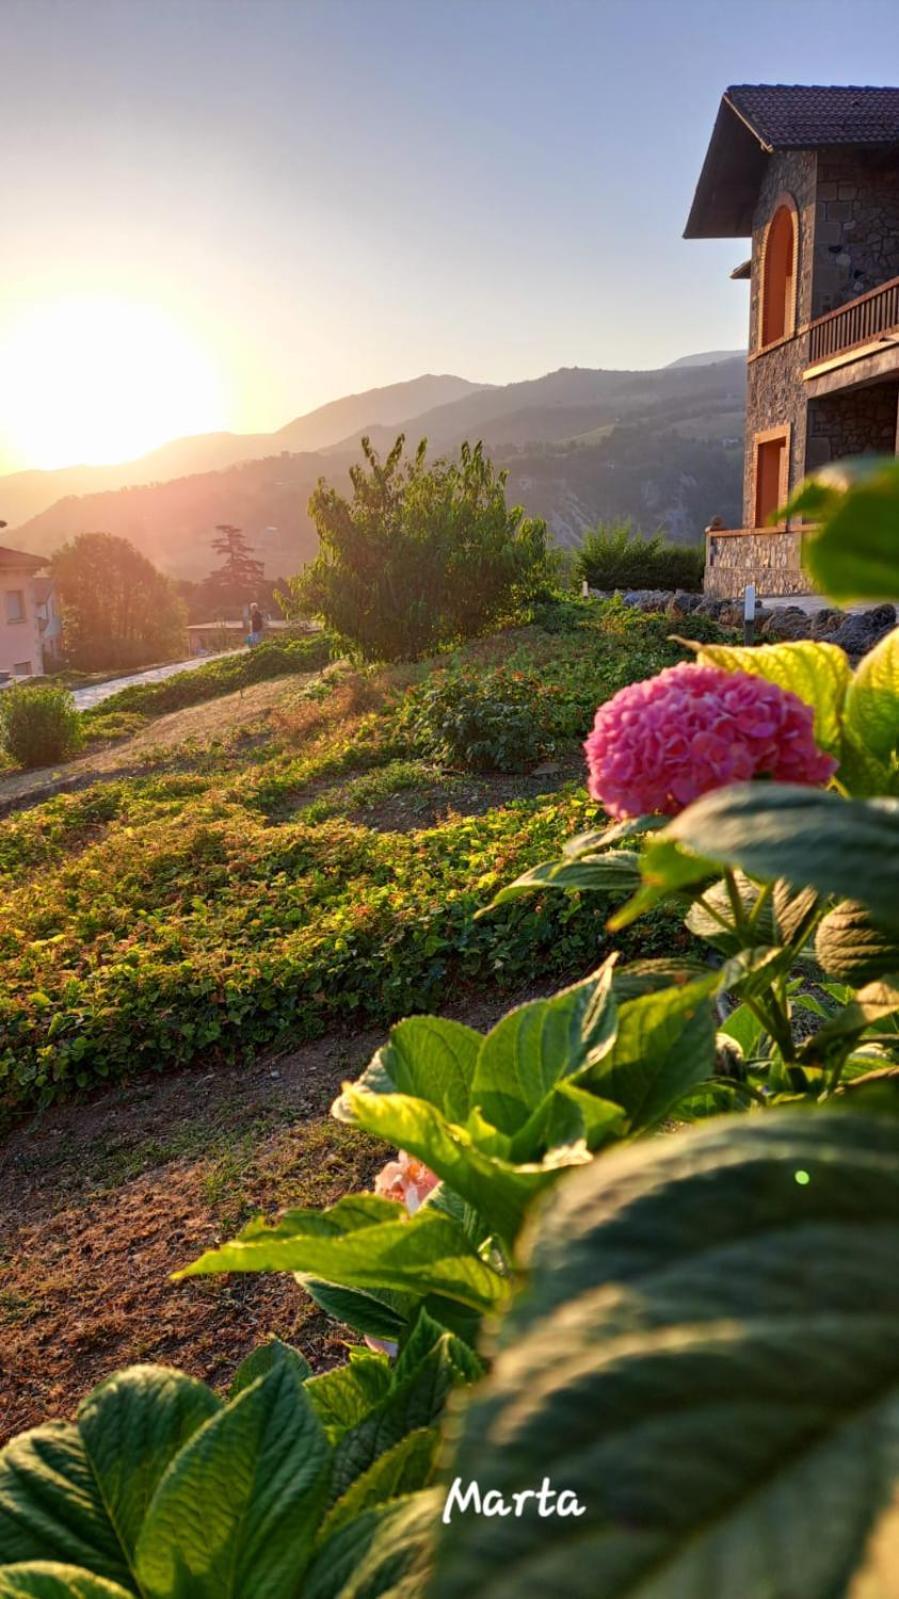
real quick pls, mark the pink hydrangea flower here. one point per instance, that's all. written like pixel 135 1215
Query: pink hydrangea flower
pixel 407 1180
pixel 658 745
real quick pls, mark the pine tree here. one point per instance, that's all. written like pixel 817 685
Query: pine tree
pixel 236 580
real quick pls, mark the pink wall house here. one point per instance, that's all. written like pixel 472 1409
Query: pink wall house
pixel 21 632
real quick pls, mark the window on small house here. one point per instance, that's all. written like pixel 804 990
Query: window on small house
pixel 15 605
pixel 22 669
pixel 779 277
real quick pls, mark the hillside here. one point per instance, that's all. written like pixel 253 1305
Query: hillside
pixel 662 447
pixel 24 495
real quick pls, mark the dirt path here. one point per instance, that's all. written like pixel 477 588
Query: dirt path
pixel 99 1203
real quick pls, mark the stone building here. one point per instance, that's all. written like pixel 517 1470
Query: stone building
pixel 811 175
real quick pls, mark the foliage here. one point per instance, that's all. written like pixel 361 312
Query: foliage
pixel 695 1335
pixel 225 676
pixel 117 609
pixel 239 576
pixel 38 723
pixel 616 556
pixel 854 555
pixel 162 1489
pixel 482 721
pixel 421 555
pixel 705 1356
pixel 508 718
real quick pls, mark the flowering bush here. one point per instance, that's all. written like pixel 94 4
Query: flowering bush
pixel 658 745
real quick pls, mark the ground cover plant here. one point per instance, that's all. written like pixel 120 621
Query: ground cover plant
pixel 214 910
pixel 690 1337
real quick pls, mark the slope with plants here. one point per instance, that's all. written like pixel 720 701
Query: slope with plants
pixel 693 1337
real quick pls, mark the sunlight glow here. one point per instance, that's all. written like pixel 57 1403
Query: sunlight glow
pixel 96 378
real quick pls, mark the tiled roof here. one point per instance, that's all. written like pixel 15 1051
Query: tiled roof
pixel 19 559
pixel 756 118
pixel 793 116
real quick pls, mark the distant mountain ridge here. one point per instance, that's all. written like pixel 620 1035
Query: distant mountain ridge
pixel 580 445
pixel 26 494
pixel 708 358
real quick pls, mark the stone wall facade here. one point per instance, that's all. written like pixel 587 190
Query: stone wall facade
pixel 856 422
pixel 774 395
pixel 772 561
pixel 856 225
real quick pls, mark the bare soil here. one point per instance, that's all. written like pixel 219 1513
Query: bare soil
pixel 101 1202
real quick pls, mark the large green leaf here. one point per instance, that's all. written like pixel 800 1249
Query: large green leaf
pixel 497 1188
pixel 848 848
pixel 364 1242
pixel 45 1579
pixel 402 1469
pixel 872 703
pixel 384 1553
pixel 537 1045
pixel 78 1494
pixel 416 1400
pixel 237 1510
pixel 707 1356
pixel 817 673
pixel 272 1353
pixel 342 1396
pixel 431 1058
pixel 665 1046
pixel 855 555
pixel 133 1426
pixel 614 872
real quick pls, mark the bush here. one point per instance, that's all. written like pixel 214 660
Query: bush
pixel 485 722
pixel 421 556
pixel 38 723
pixel 617 557
pixel 233 672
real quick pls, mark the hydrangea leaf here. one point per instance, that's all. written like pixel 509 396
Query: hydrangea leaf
pixel 364 1242
pixel 46 1579
pixel 237 1510
pixel 538 1044
pixel 665 1046
pixel 872 703
pixel 651 1369
pixel 810 838
pixel 855 555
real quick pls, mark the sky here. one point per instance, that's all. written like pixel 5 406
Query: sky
pixel 222 213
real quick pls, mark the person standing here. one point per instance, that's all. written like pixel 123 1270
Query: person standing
pixel 257 625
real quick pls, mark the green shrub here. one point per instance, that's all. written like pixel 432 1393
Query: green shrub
pixel 617 557
pixel 485 722
pixel 420 556
pixel 38 723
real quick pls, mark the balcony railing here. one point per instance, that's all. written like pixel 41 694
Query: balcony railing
pixel 860 322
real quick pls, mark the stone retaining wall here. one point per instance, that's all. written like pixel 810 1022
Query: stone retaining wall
pixel 769 560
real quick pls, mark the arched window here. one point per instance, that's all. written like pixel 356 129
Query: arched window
pixel 778 316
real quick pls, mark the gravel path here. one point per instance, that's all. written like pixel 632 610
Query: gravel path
pixel 86 698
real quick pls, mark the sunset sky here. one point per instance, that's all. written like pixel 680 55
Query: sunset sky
pixel 221 213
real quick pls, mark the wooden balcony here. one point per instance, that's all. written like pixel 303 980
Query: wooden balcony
pixel 860 322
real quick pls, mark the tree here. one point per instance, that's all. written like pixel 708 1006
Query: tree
pixel 117 609
pixel 237 579
pixel 420 555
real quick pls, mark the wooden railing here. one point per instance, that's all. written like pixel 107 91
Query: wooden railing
pixel 859 322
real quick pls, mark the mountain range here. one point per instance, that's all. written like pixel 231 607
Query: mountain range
pixel 580 445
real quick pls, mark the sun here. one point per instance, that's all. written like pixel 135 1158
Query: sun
pixel 91 379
